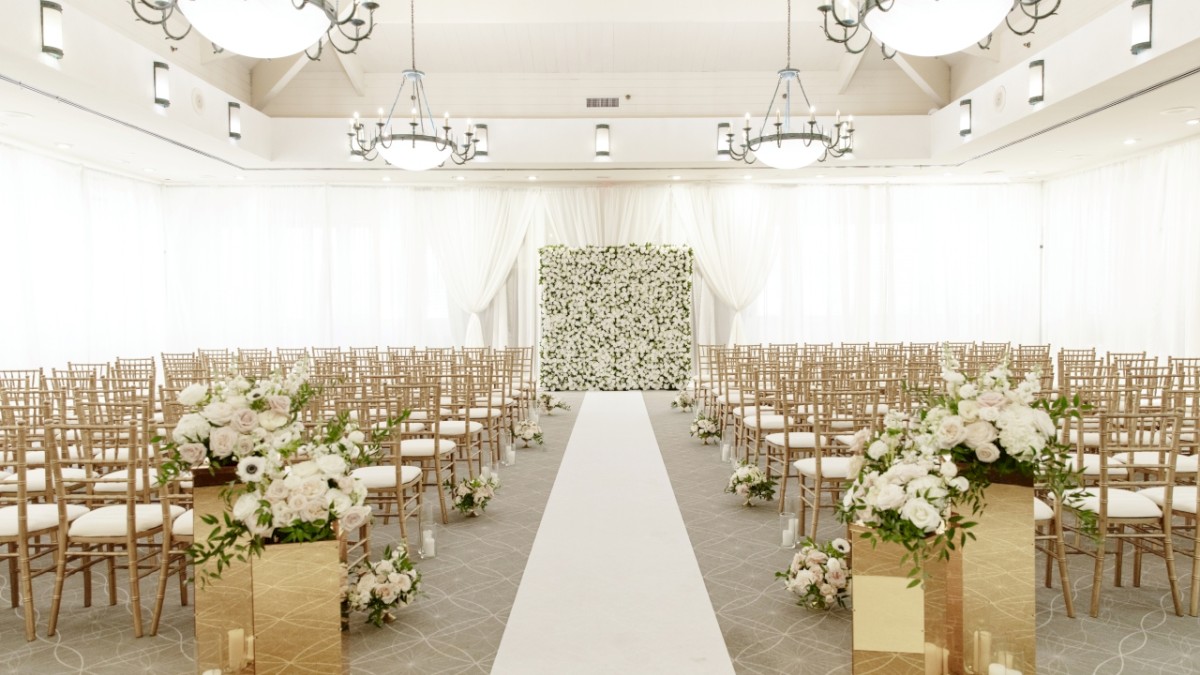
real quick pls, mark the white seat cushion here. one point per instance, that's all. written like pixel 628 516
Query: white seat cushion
pixel 5 473
pixel 119 480
pixel 38 517
pixel 184 525
pixel 838 423
pixel 35 479
pixel 831 467
pixel 497 399
pixel 1183 497
pixel 38 457
pixel 733 397
pixel 384 477
pixel 1091 466
pixel 422 415
pixel 458 428
pixel 1042 510
pixel 483 413
pixel 424 447
pixel 844 439
pixel 743 411
pixel 109 521
pixel 1121 503
pixel 1183 463
pixel 764 421
pixel 795 439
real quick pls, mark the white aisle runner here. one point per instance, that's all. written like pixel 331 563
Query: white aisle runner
pixel 612 584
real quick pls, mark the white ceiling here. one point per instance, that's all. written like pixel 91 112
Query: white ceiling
pixel 527 65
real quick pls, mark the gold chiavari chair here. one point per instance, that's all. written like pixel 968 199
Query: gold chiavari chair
pixel 1048 538
pixel 460 393
pixel 421 443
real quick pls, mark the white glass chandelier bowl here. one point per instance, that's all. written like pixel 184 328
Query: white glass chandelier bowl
pixel 936 27
pixel 792 153
pixel 262 29
pixel 419 155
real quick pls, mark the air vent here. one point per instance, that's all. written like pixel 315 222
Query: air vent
pixel 603 102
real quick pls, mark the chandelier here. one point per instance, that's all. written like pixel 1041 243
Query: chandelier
pixel 423 145
pixel 267 29
pixel 786 148
pixel 928 27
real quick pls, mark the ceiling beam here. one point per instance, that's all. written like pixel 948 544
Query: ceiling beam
pixel 352 66
pixel 848 69
pixel 212 55
pixel 271 76
pixel 931 75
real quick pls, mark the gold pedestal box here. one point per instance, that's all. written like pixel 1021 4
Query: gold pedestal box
pixel 981 599
pixel 289 600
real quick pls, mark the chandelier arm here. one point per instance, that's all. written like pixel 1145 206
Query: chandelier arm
pixel 986 43
pixel 165 14
pixel 317 56
pixel 423 99
pixel 396 101
pixel 1037 15
pixel 886 55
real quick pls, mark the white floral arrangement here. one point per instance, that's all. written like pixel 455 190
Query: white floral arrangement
pixel 548 403
pixel 471 495
pixel 683 401
pixel 909 483
pixel 527 431
pixel 615 317
pixel 381 587
pixel 819 575
pixel 750 482
pixel 705 427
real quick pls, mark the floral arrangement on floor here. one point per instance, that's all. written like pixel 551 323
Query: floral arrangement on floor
pixel 819 575
pixel 548 403
pixel 379 588
pixel 911 482
pixel 750 482
pixel 294 489
pixel 527 431
pixel 684 401
pixel 615 317
pixel 471 495
pixel 705 427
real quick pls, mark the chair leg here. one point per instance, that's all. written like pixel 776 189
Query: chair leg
pixel 112 574
pixel 164 572
pixel 26 590
pixel 1169 554
pixel 13 571
pixel 1098 575
pixel 60 573
pixel 1119 568
pixel 1064 577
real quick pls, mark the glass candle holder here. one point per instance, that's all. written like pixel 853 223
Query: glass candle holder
pixel 787 529
pixel 428 534
pixel 510 454
pixel 726 451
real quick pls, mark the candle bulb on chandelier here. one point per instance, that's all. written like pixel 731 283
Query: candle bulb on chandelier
pixel 778 120
pixel 747 121
pixel 812 114
pixel 446 120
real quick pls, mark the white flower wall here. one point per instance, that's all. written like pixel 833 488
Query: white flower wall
pixel 616 317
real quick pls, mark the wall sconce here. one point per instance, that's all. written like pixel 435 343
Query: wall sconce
pixel 602 141
pixel 1143 25
pixel 1037 81
pixel 52 32
pixel 235 120
pixel 481 141
pixel 162 84
pixel 964 117
pixel 723 141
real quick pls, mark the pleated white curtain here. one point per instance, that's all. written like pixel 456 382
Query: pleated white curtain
pixel 733 232
pixel 476 237
pixel 606 216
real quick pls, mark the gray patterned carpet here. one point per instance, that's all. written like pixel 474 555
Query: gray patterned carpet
pixel 456 626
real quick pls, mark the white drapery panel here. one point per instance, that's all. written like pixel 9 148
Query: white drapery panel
pixel 1122 267
pixel 733 232
pixel 904 263
pixel 606 216
pixel 476 235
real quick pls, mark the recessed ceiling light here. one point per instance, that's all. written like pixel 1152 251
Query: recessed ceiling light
pixel 533 178
pixel 241 178
pixel 15 114
pixel 676 177
pixel 747 177
pixel 460 178
pixel 150 170
pixel 1181 110
pixel 63 146
pixel 947 174
pixel 820 175
pixel 1192 123
pixel 387 179
pixel 1130 141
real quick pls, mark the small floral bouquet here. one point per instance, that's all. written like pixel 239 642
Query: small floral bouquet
pixel 684 401
pixel 548 403
pixel 705 427
pixel 527 431
pixel 820 574
pixel 749 482
pixel 471 495
pixel 907 481
pixel 380 587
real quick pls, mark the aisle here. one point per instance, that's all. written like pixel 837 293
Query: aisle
pixel 612 584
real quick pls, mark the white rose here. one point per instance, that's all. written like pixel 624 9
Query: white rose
pixel 921 514
pixel 305 470
pixel 959 483
pixel 271 420
pixel 987 453
pixel 950 432
pixel 332 465
pixel 191 428
pixel 968 390
pixel 979 433
pixel 854 467
pixel 245 507
pixel 948 469
pixel 279 404
pixel 218 412
pixel 244 446
pixel 1043 423
pixel 222 442
pixel 877 449
pixel 244 421
pixel 193 394
pixel 357 437
pixel 968 410
pixel 314 511
pixel 355 517
pixel 890 497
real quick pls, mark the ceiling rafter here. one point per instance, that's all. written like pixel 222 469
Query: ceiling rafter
pixel 931 75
